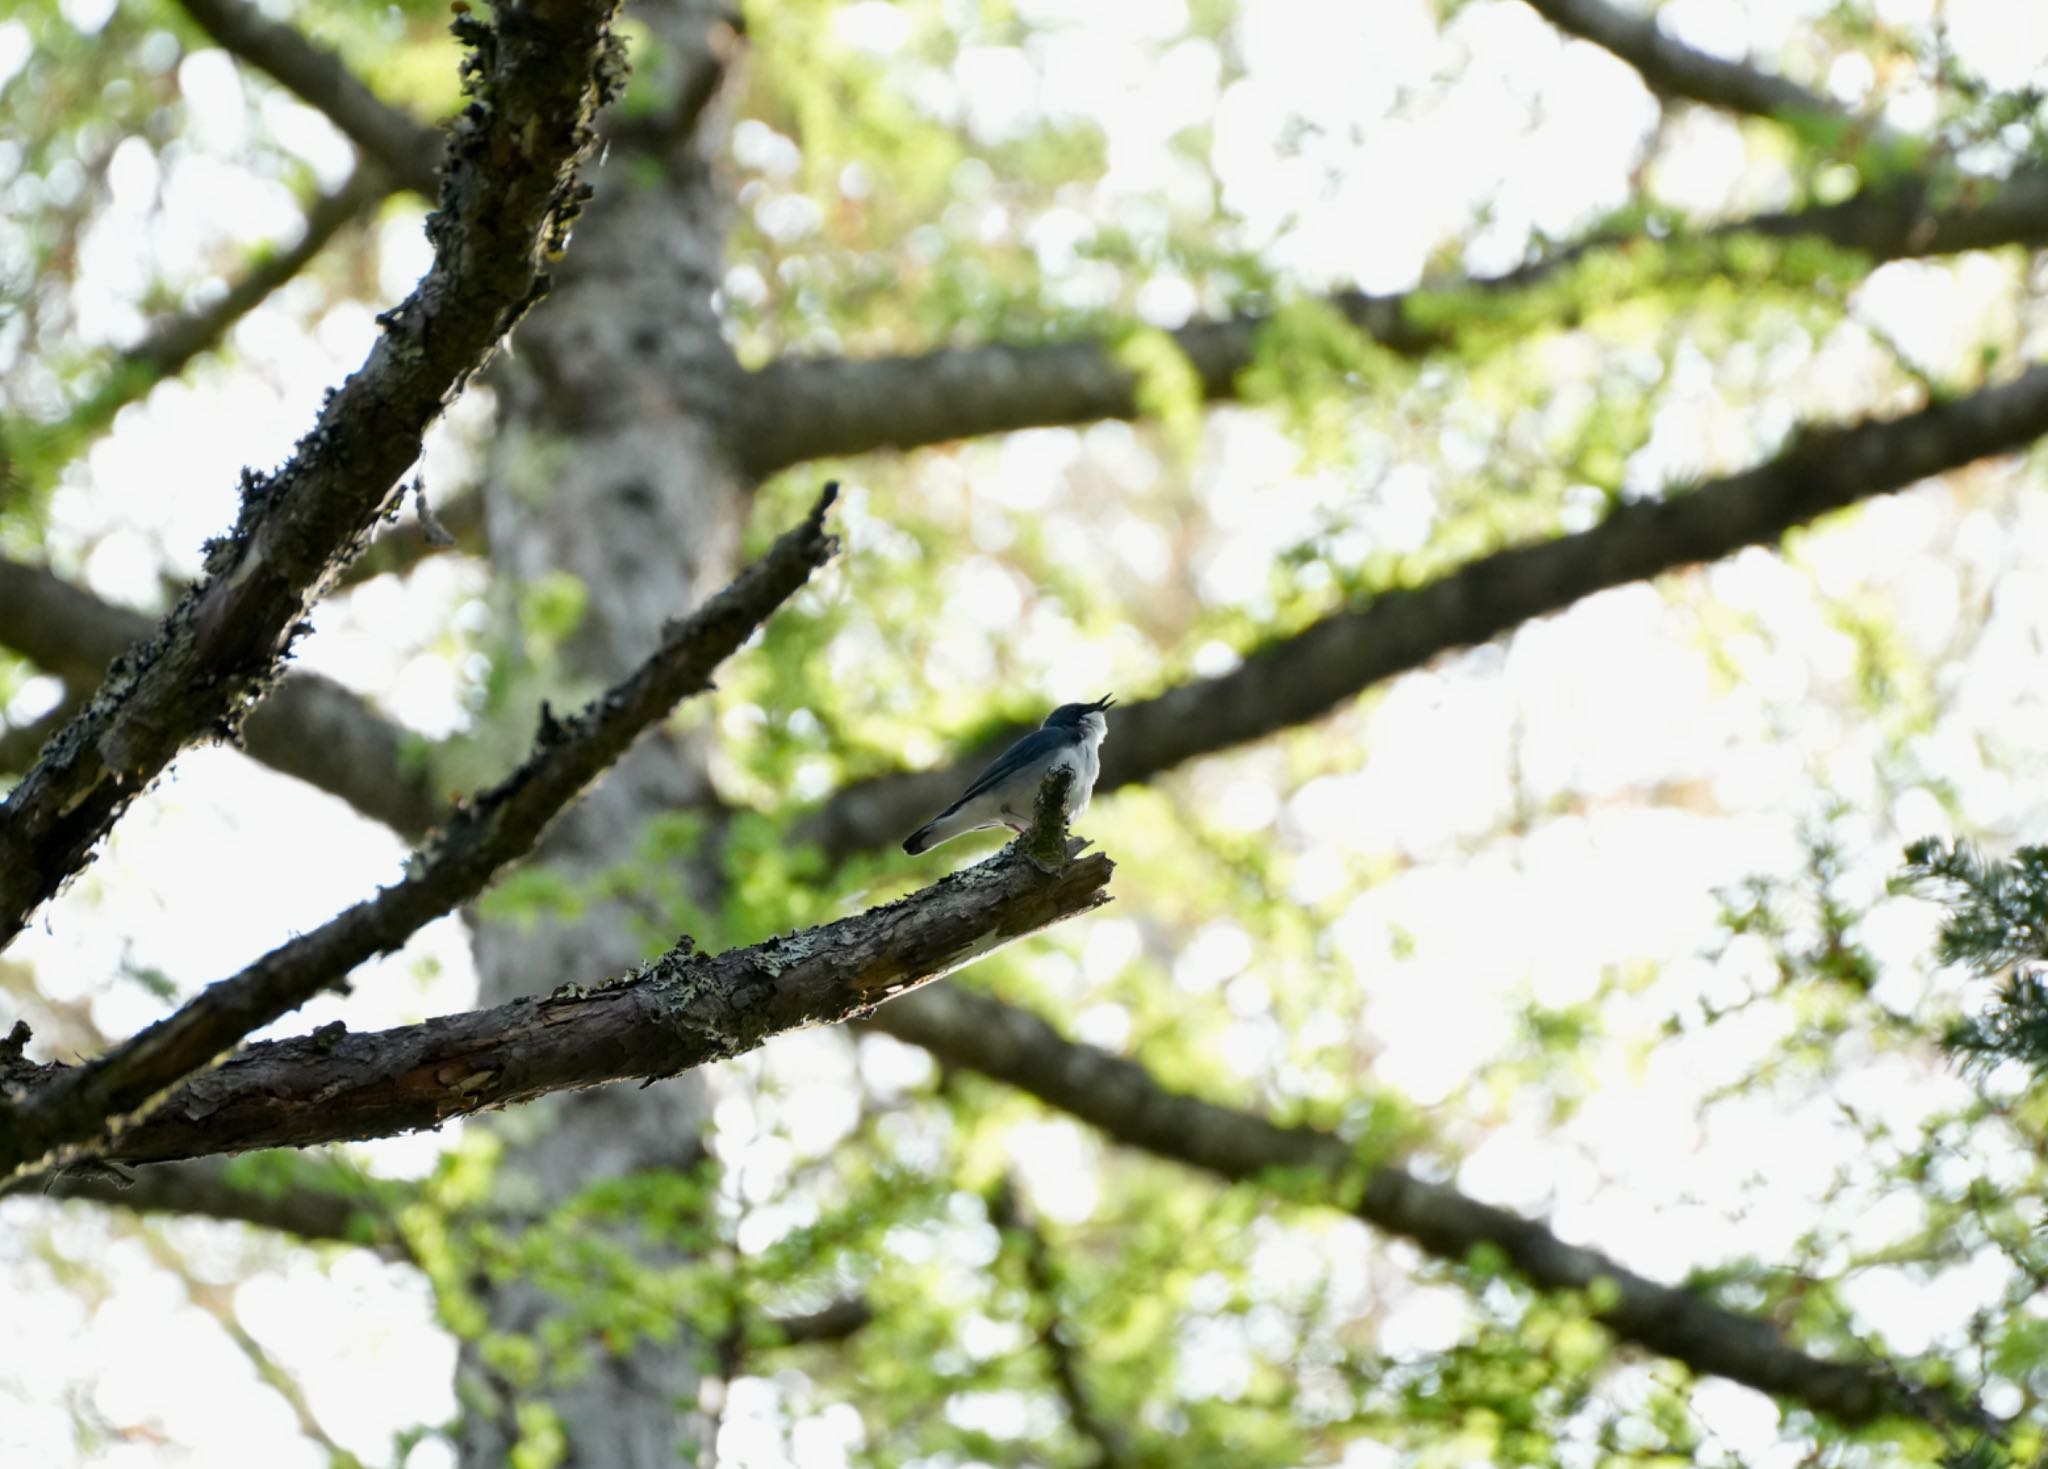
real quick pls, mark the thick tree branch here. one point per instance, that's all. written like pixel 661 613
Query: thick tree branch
pixel 309 727
pixel 407 149
pixel 682 1011
pixel 1125 1102
pixel 477 840
pixel 809 408
pixel 508 197
pixel 1301 677
pixel 21 743
pixel 1674 69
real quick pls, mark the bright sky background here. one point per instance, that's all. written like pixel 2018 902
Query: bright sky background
pixel 1677 778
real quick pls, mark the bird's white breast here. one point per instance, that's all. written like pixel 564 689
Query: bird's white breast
pixel 1087 761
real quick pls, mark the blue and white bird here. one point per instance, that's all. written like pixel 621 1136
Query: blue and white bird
pixel 1006 794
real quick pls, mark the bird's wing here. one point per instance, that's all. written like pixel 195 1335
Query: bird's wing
pixel 1035 748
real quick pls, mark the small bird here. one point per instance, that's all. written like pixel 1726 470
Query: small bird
pixel 1006 794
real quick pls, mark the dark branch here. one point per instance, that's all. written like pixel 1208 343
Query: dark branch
pixel 1124 1101
pixel 834 1323
pixel 682 1011
pixel 406 148
pixel 478 839
pixel 310 727
pixel 804 409
pixel 508 197
pixel 21 743
pixel 206 1189
pixel 1674 69
pixel 800 409
pixel 1301 677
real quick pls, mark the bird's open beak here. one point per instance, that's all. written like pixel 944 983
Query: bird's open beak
pixel 1103 703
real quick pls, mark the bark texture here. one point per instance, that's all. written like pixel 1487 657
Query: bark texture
pixel 508 196
pixel 678 1013
pixel 308 727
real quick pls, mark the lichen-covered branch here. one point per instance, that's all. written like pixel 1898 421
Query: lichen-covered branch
pixel 682 1011
pixel 75 1104
pixel 1301 677
pixel 21 743
pixel 309 727
pixel 407 149
pixel 509 194
pixel 1124 1101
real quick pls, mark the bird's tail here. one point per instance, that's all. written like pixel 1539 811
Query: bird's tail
pixel 943 827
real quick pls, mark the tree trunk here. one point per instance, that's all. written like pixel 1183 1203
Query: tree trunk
pixel 608 464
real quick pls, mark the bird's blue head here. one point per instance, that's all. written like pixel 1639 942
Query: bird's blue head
pixel 1077 716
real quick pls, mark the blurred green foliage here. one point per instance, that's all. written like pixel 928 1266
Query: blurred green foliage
pixel 1212 1325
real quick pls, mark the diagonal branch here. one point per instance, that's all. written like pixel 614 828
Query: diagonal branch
pixel 1674 69
pixel 1304 676
pixel 1124 1101
pixel 310 727
pixel 207 1189
pixel 406 148
pixel 174 341
pixel 682 1011
pixel 508 197
pixel 21 743
pixel 802 409
pixel 477 840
